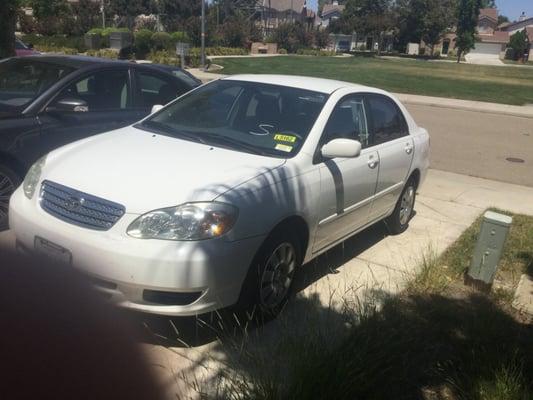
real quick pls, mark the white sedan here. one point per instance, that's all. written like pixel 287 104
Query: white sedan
pixel 220 196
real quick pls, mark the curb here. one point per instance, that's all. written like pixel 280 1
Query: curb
pixel 465 105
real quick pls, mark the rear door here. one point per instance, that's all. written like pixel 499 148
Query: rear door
pixel 389 134
pixel 108 95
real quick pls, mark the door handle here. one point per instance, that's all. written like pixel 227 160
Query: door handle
pixel 408 148
pixel 373 163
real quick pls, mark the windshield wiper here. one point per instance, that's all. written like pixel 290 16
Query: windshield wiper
pixel 163 129
pixel 233 143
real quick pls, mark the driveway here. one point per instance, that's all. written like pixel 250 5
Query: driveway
pixel 371 263
pixel 483 59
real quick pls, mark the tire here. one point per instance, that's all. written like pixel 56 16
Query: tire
pixel 9 181
pixel 398 221
pixel 268 284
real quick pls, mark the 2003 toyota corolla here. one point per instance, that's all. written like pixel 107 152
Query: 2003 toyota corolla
pixel 217 198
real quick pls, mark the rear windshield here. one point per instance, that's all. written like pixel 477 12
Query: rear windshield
pixel 23 80
pixel 265 119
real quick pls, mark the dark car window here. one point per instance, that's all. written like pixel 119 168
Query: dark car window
pixel 246 116
pixel 388 122
pixel 104 90
pixel 348 121
pixel 185 77
pixel 20 46
pixel 21 81
pixel 156 89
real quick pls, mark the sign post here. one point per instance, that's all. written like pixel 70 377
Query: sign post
pixel 182 49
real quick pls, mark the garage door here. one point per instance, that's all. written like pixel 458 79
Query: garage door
pixel 487 48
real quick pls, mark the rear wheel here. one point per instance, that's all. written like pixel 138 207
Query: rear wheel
pixel 398 221
pixel 9 181
pixel 268 284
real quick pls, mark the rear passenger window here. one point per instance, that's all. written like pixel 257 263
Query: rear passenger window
pixel 157 90
pixel 388 122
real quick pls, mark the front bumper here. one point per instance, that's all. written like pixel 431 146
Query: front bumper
pixel 209 272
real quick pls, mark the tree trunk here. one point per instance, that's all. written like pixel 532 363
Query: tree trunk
pixel 8 12
pixel 459 53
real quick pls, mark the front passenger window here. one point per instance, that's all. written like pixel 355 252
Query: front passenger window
pixel 348 121
pixel 101 91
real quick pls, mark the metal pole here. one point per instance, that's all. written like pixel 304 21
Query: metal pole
pixel 203 35
pixel 103 14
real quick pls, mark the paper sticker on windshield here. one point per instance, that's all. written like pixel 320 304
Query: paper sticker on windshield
pixel 284 147
pixel 285 138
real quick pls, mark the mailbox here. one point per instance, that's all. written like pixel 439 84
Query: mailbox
pixel 489 247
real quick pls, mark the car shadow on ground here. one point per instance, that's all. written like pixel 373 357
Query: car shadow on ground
pixel 197 331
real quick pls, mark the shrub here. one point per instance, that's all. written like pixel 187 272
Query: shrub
pixel 143 43
pixel 55 41
pixel 180 36
pixel 292 36
pixel 161 41
pixel 436 54
pixel 282 51
pixel 103 53
pixel 315 52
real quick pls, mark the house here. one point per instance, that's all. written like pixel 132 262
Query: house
pixel 331 12
pixel 277 12
pixel 523 22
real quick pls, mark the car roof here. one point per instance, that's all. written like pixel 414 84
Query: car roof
pixel 327 86
pixel 72 61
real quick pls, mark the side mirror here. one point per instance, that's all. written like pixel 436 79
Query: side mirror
pixel 156 108
pixel 70 104
pixel 341 148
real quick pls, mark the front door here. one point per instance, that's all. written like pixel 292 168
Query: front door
pixel 108 97
pixel 347 184
pixel 395 147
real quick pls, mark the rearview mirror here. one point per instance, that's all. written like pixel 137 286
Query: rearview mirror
pixel 341 148
pixel 69 104
pixel 156 108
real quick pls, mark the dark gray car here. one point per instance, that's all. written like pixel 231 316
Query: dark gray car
pixel 49 101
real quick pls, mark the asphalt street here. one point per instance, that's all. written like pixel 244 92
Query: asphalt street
pixel 478 144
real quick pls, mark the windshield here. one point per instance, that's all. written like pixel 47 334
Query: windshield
pixel 21 81
pixel 258 118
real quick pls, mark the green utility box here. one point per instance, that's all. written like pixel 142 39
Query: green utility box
pixel 489 247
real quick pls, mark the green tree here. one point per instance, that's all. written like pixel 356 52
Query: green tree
pixel 437 20
pixel 371 17
pixel 87 15
pixel 502 19
pixel 467 20
pixel 519 43
pixel 8 18
pixel 127 10
pixel 488 3
pixel 51 15
pixel 177 14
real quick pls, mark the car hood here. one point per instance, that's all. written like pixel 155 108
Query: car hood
pixel 145 171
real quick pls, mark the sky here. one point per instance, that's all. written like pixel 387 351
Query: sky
pixel 510 8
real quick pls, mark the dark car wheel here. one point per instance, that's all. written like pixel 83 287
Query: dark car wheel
pixel 398 221
pixel 268 284
pixel 9 181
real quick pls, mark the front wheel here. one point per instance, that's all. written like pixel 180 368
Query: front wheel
pixel 398 221
pixel 268 283
pixel 9 181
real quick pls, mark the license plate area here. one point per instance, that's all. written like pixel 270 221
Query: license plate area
pixel 52 251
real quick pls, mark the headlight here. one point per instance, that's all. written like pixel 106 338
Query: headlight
pixel 32 177
pixel 192 221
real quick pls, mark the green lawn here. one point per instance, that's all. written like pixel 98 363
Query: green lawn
pixel 508 85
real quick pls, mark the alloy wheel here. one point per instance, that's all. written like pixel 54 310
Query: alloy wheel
pixel 407 204
pixel 278 275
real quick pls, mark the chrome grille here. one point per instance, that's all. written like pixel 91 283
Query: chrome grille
pixel 79 208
